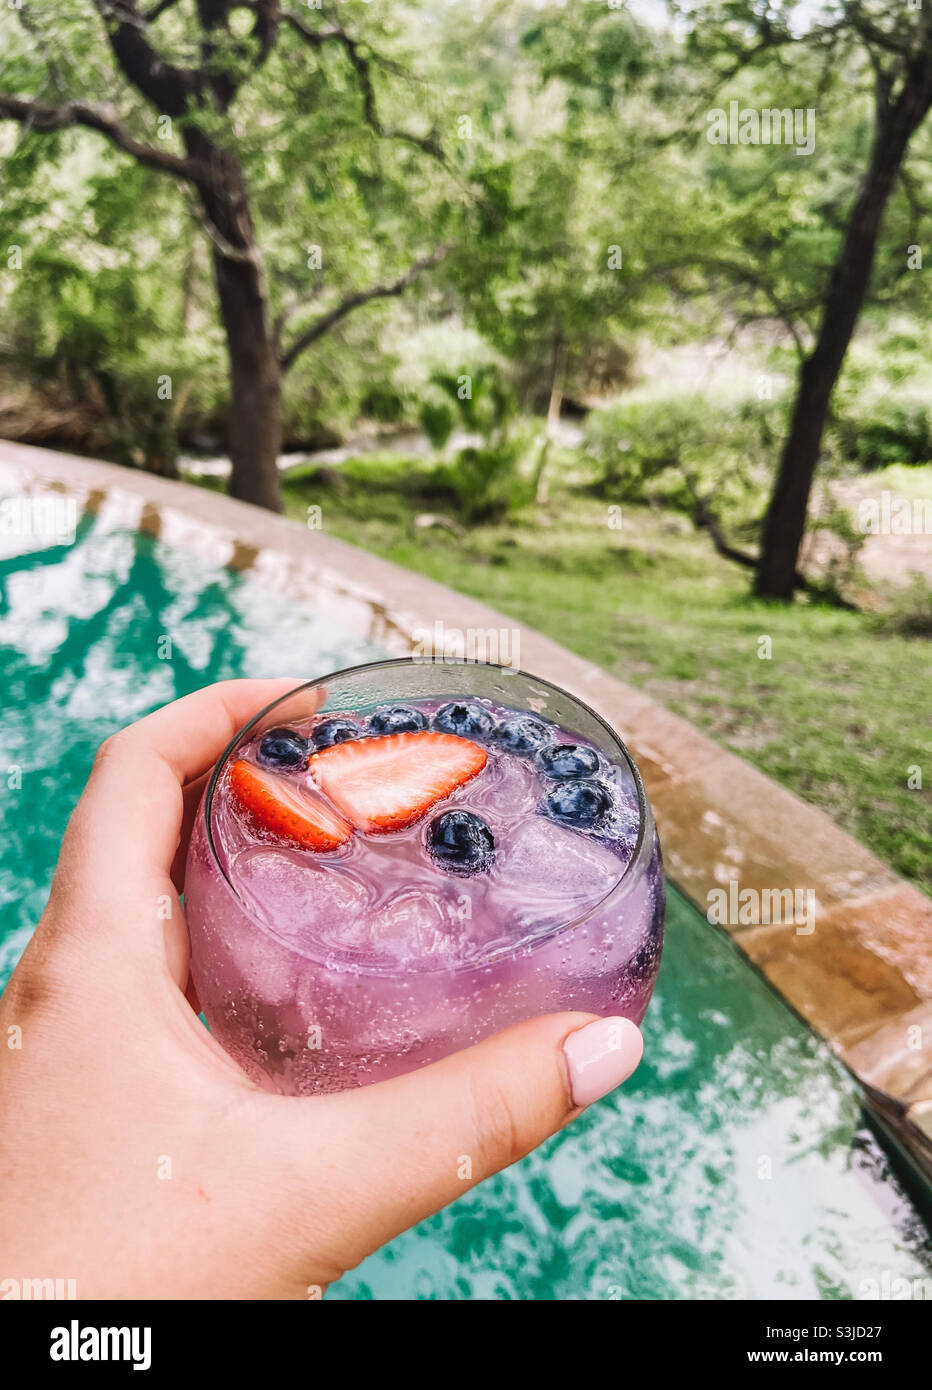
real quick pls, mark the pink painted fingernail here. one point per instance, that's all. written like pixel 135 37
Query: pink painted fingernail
pixel 601 1056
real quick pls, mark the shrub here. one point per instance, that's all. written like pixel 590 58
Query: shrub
pixel 437 421
pixel 889 432
pixel 910 609
pixel 484 480
pixel 384 403
pixel 672 452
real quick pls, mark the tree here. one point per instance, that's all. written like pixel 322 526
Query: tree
pixel 793 246
pixel 545 276
pixel 234 41
pixel 900 53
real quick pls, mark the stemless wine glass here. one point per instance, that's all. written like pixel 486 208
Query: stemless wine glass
pixel 304 1016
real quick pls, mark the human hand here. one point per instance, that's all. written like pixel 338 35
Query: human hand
pixel 138 1159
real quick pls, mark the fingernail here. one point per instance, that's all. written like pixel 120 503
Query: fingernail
pixel 600 1056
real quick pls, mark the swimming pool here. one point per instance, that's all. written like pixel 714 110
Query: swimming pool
pixel 735 1164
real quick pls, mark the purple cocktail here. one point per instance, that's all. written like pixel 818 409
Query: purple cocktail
pixel 401 859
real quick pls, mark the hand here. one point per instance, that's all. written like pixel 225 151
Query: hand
pixel 138 1160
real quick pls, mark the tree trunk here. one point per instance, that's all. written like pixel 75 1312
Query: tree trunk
pixel 844 298
pixel 255 429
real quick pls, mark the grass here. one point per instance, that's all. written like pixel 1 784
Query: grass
pixel 838 713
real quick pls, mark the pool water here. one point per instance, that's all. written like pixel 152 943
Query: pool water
pixel 735 1164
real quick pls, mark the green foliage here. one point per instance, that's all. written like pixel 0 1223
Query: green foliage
pixel 437 421
pixel 585 213
pixel 483 480
pixel 482 398
pixel 886 432
pixel 382 402
pixel 583 206
pixel 673 451
pixel 909 609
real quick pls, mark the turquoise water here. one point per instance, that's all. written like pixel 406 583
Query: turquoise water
pixel 735 1164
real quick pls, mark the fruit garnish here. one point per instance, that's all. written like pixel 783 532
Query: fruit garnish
pixel 284 749
pixel 522 734
pixel 396 719
pixel 337 730
pixel 568 761
pixel 580 805
pixel 461 842
pixel 386 783
pixel 280 807
pixel 467 718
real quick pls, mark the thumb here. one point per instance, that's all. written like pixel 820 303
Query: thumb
pixel 409 1146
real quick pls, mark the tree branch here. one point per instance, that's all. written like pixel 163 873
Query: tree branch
pixel 738 271
pixel 896 42
pixel 327 321
pixel 169 88
pixel 704 519
pixel 360 63
pixel 315 37
pixel 214 17
pixel 150 16
pixel 41 116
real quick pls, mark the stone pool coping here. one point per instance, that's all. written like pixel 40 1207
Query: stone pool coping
pixel 861 978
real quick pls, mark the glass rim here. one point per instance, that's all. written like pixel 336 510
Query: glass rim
pixel 630 874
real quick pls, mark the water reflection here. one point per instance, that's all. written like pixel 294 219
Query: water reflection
pixel 726 1168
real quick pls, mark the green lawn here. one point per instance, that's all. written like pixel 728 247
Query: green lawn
pixel 839 713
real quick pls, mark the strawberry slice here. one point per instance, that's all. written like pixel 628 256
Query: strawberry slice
pixel 278 806
pixel 386 783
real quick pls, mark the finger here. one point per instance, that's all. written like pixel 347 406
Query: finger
pixel 405 1148
pixel 130 816
pixel 191 733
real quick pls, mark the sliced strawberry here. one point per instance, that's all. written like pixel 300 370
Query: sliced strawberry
pixel 278 806
pixel 389 782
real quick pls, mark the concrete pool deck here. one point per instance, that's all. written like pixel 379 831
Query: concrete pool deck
pixel 844 940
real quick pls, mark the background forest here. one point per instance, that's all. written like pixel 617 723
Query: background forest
pixel 614 315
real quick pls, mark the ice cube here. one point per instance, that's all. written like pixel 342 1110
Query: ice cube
pixel 417 923
pixel 508 788
pixel 551 872
pixel 301 903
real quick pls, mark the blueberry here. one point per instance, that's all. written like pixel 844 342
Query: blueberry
pixel 396 719
pixel 284 749
pixel 522 734
pixel 333 731
pixel 581 805
pixel 464 717
pixel 565 761
pixel 461 843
